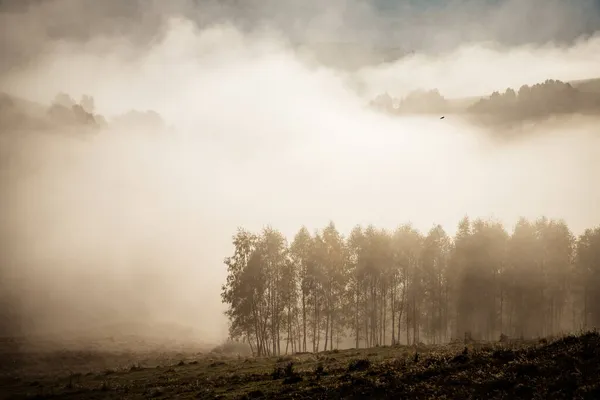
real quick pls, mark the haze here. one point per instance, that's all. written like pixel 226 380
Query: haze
pixel 129 227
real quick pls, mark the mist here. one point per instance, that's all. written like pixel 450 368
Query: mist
pixel 121 227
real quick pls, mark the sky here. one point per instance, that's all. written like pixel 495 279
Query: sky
pixel 430 26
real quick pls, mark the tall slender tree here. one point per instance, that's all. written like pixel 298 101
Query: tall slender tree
pixel 378 288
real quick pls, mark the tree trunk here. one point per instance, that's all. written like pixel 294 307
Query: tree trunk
pixel 501 311
pixel 373 315
pixel 400 312
pixel 331 331
pixel 393 310
pixel 278 340
pixel 407 328
pixel 400 323
pixel 304 321
pixel 315 325
pixel 289 329
pixel 250 343
pixel 326 330
pixel 383 324
pixel 585 307
pixel 367 317
pixel 356 321
pixel 414 321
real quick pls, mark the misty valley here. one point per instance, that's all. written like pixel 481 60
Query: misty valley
pixel 375 313
pixel 299 200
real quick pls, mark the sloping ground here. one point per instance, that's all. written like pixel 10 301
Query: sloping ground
pixel 567 368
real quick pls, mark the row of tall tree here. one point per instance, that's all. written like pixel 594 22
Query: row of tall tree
pixel 377 287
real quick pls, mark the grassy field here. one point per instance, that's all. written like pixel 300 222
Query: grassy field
pixel 568 367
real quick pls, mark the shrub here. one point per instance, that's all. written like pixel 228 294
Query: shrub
pixel 360 364
pixel 319 370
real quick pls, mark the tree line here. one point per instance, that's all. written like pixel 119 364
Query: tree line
pixel 379 287
pixel 551 97
pixel 542 99
pixel 415 102
pixel 65 111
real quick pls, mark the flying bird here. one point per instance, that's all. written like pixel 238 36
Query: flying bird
pixel 442 117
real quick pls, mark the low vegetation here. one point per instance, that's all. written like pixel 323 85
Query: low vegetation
pixel 567 367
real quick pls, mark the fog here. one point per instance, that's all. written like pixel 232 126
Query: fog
pixel 123 227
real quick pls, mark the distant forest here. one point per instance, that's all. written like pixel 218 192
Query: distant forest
pixel 551 97
pixel 64 112
pixel 377 287
pixel 541 100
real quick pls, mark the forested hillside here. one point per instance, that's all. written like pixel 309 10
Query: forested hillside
pixel 375 287
pixel 551 97
pixel 65 112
